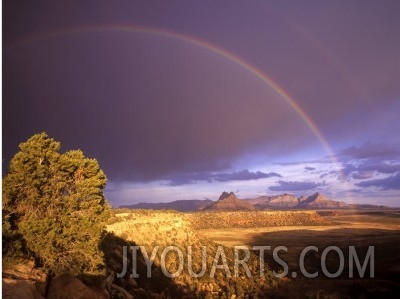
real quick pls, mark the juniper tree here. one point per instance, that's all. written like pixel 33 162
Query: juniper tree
pixel 53 204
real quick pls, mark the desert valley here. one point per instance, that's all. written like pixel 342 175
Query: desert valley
pixel 297 248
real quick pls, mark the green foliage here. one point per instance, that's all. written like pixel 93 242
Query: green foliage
pixel 53 207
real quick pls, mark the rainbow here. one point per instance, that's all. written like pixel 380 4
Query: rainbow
pixel 197 42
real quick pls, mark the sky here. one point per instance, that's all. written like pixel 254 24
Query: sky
pixel 186 99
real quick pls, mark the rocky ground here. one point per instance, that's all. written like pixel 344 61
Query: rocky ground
pixel 23 281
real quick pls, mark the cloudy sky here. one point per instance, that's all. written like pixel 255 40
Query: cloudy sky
pixel 186 99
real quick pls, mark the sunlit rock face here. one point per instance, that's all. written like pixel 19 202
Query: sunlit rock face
pixel 318 201
pixel 229 202
pixel 277 202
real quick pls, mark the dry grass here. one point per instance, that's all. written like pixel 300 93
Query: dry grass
pixel 293 229
pixel 157 228
pixel 253 219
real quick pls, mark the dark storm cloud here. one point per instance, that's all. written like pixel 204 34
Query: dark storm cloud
pixel 288 186
pixel 144 107
pixel 366 161
pixel 362 175
pixel 190 178
pixel 244 175
pixel 325 174
pixel 367 169
pixel 309 168
pixel 390 183
pixel 371 150
pixel 150 107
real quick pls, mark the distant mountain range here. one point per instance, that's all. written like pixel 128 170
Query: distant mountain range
pixel 230 202
pixel 178 205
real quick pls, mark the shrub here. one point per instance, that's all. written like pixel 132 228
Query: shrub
pixel 53 204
